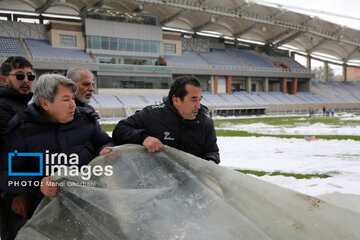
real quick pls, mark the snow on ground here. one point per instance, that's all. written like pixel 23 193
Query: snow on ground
pixel 338 158
pixel 299 129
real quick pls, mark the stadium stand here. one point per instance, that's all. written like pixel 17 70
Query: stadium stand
pixel 353 88
pixel 107 101
pixel 206 60
pixel 10 46
pixel 153 98
pixel 42 50
pixel 188 58
pixel 131 100
pixel 329 92
pixel 286 98
pixel 343 92
pixel 215 100
pixel 311 98
pixel 269 98
pixel 233 100
pixel 94 103
pixel 253 59
pixel 258 100
pixel 248 99
pixel 292 64
pixel 221 59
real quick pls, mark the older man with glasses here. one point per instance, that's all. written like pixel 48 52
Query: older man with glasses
pixel 15 93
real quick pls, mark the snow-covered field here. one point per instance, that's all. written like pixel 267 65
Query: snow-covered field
pixel 338 158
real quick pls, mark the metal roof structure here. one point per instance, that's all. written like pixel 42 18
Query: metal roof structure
pixel 231 18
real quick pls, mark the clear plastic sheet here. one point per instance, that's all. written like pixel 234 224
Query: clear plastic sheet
pixel 174 195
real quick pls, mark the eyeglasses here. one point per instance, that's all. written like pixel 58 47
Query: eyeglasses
pixel 21 77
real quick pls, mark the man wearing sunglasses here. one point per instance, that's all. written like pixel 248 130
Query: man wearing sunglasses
pixel 15 93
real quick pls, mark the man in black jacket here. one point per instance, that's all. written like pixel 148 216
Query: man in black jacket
pixel 15 93
pixel 180 122
pixel 53 126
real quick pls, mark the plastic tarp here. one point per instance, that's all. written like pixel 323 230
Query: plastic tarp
pixel 174 195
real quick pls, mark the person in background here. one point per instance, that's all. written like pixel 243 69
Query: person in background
pixel 84 80
pixel 311 111
pixel 15 93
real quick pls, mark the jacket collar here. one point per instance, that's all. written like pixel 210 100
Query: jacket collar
pixel 10 93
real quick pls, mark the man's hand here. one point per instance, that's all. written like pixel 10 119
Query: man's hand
pixel 152 144
pixel 105 150
pixel 20 205
pixel 48 188
pixel 212 161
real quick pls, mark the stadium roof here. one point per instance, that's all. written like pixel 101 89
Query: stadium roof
pixel 231 18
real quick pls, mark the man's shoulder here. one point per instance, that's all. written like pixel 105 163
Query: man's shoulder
pixel 22 121
pixel 4 101
pixel 153 109
pixel 10 106
pixel 157 107
pixel 88 113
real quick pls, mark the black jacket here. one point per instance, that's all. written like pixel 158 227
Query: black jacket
pixel 11 102
pixel 165 123
pixel 82 105
pixel 31 132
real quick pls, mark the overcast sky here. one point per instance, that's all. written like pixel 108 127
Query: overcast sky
pixel 342 12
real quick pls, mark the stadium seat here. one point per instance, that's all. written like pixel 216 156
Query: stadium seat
pixel 10 47
pixel 42 50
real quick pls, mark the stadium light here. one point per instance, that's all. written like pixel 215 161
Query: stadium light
pixel 21 13
pixel 176 30
pixel 208 34
pixel 60 16
pixel 250 41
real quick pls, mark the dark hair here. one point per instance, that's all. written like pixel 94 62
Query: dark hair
pixel 178 87
pixel 13 63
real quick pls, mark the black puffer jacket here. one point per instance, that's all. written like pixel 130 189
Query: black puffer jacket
pixel 30 132
pixel 11 102
pixel 82 105
pixel 165 123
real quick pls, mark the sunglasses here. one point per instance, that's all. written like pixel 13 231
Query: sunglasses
pixel 21 77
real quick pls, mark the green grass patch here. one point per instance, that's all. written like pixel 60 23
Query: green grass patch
pixel 231 133
pixel 108 127
pixel 287 121
pixel 295 175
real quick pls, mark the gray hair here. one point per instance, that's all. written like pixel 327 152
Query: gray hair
pixel 47 87
pixel 73 73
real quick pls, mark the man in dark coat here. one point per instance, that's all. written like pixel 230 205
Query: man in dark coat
pixel 52 126
pixel 180 122
pixel 15 93
pixel 84 80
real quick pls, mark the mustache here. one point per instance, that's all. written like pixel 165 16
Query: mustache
pixel 25 85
